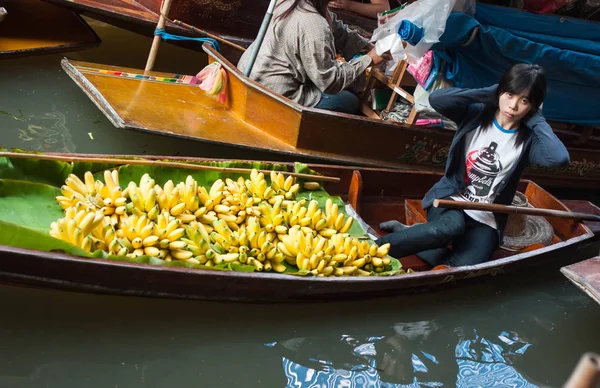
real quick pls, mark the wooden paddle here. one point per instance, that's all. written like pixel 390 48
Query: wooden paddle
pixel 161 163
pixel 495 208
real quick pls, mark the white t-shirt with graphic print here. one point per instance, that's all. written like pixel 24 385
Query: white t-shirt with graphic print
pixel 491 154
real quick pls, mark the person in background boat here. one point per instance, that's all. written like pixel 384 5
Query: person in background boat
pixel 500 132
pixel 297 58
pixel 366 8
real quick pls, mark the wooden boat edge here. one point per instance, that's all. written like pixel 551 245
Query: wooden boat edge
pixel 91 91
pixel 572 273
pixel 58 48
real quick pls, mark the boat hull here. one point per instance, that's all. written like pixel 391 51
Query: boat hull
pixel 58 271
pixel 376 194
pixel 36 27
pixel 268 126
pixel 235 20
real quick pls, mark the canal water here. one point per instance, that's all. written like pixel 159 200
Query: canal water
pixel 523 330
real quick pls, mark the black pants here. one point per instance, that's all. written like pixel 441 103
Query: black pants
pixel 472 242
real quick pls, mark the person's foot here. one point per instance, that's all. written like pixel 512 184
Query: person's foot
pixel 392 226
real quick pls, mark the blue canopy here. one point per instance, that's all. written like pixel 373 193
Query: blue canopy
pixel 568 49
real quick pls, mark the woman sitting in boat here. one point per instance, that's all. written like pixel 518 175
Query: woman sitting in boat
pixel 297 58
pixel 500 132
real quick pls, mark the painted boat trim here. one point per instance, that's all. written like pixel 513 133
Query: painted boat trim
pixel 88 88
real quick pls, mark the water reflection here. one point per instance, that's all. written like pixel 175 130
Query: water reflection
pixel 405 358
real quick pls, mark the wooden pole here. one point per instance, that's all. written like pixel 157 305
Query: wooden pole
pixel 586 373
pixel 164 11
pixel 145 162
pixel 495 208
pixel 259 38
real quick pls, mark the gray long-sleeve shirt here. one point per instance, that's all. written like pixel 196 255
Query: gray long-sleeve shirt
pixel 297 57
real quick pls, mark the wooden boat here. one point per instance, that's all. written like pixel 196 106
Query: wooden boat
pixel 375 194
pixel 235 20
pixel 266 125
pixel 586 276
pixel 36 27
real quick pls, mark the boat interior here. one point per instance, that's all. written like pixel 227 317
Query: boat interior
pixel 383 195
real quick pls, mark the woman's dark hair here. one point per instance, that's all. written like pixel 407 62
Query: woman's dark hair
pixel 320 5
pixel 519 78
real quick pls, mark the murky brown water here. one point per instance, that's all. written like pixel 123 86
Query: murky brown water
pixel 518 331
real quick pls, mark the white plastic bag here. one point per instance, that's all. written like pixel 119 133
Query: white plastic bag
pixel 431 15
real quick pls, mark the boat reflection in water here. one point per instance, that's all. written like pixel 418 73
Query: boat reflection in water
pixel 400 360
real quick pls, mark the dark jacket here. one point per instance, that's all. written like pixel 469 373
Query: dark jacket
pixel 464 107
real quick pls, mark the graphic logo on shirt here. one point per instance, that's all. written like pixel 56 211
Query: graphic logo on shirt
pixel 483 166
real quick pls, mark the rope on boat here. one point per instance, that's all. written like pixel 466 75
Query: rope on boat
pixel 164 35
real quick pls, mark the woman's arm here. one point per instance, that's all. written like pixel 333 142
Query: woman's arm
pixel 369 10
pixel 546 148
pixel 329 75
pixel 454 103
pixel 348 41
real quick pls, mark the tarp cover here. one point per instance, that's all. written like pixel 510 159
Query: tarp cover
pixel 568 49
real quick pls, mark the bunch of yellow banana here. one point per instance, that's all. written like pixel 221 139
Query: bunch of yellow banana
pixel 341 255
pixel 272 217
pixel 335 222
pixel 206 214
pixel 262 245
pixel 143 198
pixel 312 219
pixel 136 234
pixel 282 186
pixel 93 193
pixel 167 198
pixel 76 226
pixel 189 201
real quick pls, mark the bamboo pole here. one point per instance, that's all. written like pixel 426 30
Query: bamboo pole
pixel 145 162
pixel 495 208
pixel 164 10
pixel 586 373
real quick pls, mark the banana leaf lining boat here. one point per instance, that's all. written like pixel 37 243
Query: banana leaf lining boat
pixel 375 195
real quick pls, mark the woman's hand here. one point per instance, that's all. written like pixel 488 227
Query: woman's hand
pixel 340 4
pixel 376 59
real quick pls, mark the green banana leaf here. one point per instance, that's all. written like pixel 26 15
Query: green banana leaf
pixel 15 235
pixel 28 188
pixel 29 204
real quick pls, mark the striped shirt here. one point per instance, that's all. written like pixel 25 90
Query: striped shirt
pixel 298 56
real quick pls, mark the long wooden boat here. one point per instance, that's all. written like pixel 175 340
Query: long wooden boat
pixel 36 27
pixel 586 276
pixel 235 20
pixel 266 125
pixel 376 195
